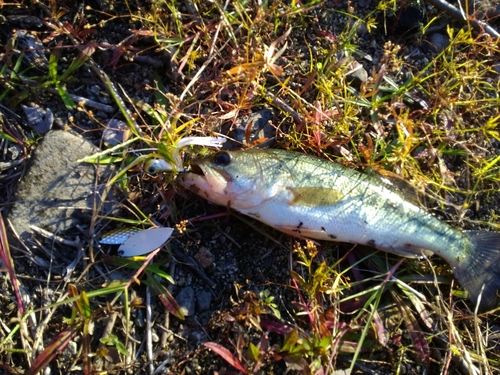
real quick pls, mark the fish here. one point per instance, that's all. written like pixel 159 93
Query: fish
pixel 311 198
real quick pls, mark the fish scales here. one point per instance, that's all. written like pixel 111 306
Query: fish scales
pixel 365 213
pixel 312 198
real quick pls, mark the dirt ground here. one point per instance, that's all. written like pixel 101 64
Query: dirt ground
pixel 250 300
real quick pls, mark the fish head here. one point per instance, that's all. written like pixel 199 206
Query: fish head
pixel 239 179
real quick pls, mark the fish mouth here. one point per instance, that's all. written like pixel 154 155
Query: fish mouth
pixel 196 169
pixel 209 174
pixel 203 180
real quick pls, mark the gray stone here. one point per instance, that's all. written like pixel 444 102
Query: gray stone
pixel 409 17
pixel 70 352
pixel 32 49
pixel 436 42
pixel 56 187
pixel 203 299
pixel 14 151
pixel 115 132
pixel 204 257
pixel 261 133
pixel 185 299
pixel 196 338
pixel 496 68
pixel 357 73
pixel 39 119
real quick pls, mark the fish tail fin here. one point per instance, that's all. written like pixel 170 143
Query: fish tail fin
pixel 479 273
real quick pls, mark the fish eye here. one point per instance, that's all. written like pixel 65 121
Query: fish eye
pixel 222 158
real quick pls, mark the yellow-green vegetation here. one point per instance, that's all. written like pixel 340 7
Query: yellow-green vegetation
pixel 427 118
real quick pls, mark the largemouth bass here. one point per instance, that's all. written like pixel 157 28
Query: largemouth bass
pixel 308 197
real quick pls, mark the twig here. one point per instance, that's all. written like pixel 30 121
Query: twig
pixel 78 99
pixel 132 57
pixel 462 363
pixel 87 102
pixel 101 74
pixel 8 263
pixel 166 332
pixel 461 16
pixel 10 164
pixel 149 339
pixel 76 243
pixel 285 108
pixel 148 260
pixel 187 261
pixel 108 331
pixel 51 236
pixel 211 55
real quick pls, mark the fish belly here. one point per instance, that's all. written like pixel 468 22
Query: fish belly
pixel 408 232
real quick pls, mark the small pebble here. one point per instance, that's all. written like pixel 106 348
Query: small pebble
pixel 436 43
pixel 357 73
pixel 203 299
pixel 186 301
pixel 196 337
pixel 204 257
pixel 409 17
pixel 70 352
pixel 262 133
pixel 39 119
pixel 115 133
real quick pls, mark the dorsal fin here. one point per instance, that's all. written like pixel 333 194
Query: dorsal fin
pixel 398 185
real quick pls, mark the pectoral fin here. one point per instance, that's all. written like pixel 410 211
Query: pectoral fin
pixel 314 196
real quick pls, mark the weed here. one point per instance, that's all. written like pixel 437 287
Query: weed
pixel 428 118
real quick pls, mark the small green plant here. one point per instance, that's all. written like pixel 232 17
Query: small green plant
pixel 19 84
pixel 78 324
pixel 58 80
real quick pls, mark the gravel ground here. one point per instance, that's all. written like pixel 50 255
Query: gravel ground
pixel 224 266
